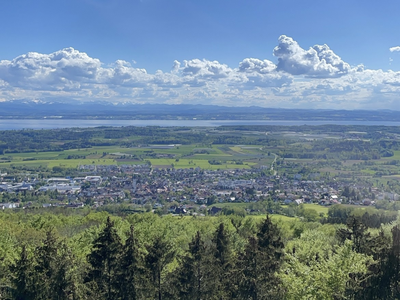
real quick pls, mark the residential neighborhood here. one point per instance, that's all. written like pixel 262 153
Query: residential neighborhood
pixel 181 191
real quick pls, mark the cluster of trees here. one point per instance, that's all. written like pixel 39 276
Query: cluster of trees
pixel 339 214
pixel 382 277
pixel 339 149
pixel 207 269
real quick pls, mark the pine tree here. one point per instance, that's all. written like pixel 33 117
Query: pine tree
pixel 222 263
pixel 103 260
pixel 52 267
pixel 257 266
pixel 45 275
pixel 382 279
pixel 194 277
pixel 22 277
pixel 131 269
pixel 357 232
pixel 159 254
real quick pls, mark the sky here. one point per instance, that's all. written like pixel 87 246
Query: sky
pixel 271 53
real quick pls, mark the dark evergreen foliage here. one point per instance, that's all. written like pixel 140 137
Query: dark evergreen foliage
pixel 22 277
pixel 131 269
pixel 257 266
pixel 159 254
pixel 223 265
pixel 194 277
pixel 52 278
pixel 103 260
pixel 357 232
pixel 45 275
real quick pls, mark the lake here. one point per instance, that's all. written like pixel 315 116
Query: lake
pixel 12 124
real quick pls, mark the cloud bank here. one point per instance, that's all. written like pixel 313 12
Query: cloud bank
pixel 298 77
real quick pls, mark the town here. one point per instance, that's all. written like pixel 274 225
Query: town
pixel 192 191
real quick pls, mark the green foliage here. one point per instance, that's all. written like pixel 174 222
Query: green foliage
pixel 194 277
pixel 103 272
pixel 224 257
pixel 222 263
pixel 308 214
pixel 159 254
pixel 258 264
pixel 22 281
pixel 131 269
pixel 339 214
pixel 233 211
pixel 323 276
pixel 46 274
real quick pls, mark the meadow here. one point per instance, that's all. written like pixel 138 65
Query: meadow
pixel 177 156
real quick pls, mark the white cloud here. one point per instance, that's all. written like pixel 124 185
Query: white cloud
pixel 205 68
pixel 313 78
pixel 37 70
pixel 251 65
pixel 394 49
pixel 318 61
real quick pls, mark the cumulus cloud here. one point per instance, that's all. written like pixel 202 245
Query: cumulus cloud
pixel 65 69
pixel 394 49
pixel 38 70
pixel 318 61
pixel 205 68
pixel 122 74
pixel 250 65
pixel 308 78
pixel 253 72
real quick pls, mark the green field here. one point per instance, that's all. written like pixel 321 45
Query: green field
pixel 194 163
pixel 240 205
pixel 182 156
pixel 396 155
pixel 65 163
pixel 317 207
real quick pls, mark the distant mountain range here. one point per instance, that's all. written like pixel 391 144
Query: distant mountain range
pixel 106 110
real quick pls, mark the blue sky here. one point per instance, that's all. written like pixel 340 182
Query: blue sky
pixel 225 52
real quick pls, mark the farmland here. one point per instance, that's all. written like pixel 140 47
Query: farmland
pixel 347 153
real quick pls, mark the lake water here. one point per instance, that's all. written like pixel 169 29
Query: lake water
pixel 65 123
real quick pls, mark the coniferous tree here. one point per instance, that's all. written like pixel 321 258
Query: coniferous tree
pixel 257 266
pixel 382 279
pixel 102 276
pixel 22 277
pixel 357 232
pixel 394 263
pixel 388 279
pixel 131 269
pixel 377 283
pixel 222 263
pixel 159 254
pixel 194 277
pixel 52 278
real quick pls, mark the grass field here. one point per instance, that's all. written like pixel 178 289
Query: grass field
pixel 281 218
pixel 273 217
pixel 194 163
pixel 318 208
pixel 396 156
pixel 240 205
pixel 65 163
pixel 184 156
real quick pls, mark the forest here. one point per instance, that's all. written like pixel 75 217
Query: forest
pixel 70 254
